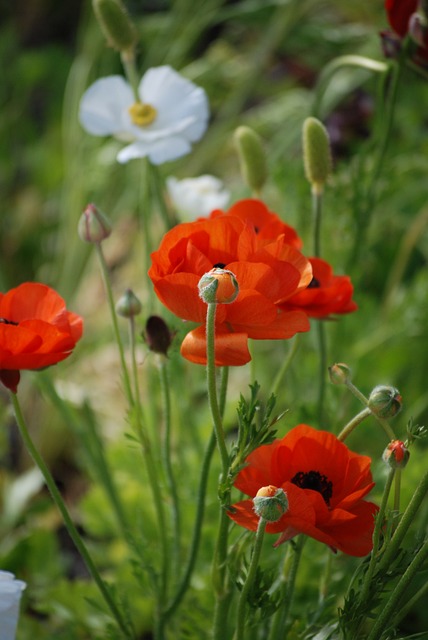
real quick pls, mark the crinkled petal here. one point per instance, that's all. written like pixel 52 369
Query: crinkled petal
pixel 231 349
pixel 104 106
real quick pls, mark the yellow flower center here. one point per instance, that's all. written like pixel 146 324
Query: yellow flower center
pixel 142 114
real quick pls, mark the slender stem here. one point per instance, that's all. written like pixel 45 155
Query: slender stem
pixel 317 201
pixel 405 522
pixel 246 588
pixel 362 398
pixel 294 344
pixel 397 490
pixel 168 217
pixel 379 523
pixel 322 349
pixel 220 577
pixel 383 620
pixel 212 388
pixel 325 578
pixel 352 424
pixel 106 279
pixel 74 535
pixel 145 214
pixel 128 61
pixel 404 608
pixel 166 451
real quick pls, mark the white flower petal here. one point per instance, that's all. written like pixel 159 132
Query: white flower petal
pixel 10 596
pixel 195 197
pixel 104 106
pixel 158 151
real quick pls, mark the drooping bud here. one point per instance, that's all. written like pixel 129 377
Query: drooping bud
pixel 316 153
pixel 252 157
pixel 128 305
pixel 218 285
pixel 115 24
pixel 158 336
pixel 270 503
pixel 339 373
pixel 396 454
pixel 93 225
pixel 385 401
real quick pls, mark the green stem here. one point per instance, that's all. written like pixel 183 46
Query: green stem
pixel 404 609
pixel 352 424
pixel 294 344
pixel 280 621
pixel 168 217
pixel 246 588
pixel 322 349
pixel 128 62
pixel 220 577
pixel 383 620
pixel 74 535
pixel 166 450
pixel 397 490
pixel 405 522
pixel 362 398
pixel 317 201
pixel 379 523
pixel 106 280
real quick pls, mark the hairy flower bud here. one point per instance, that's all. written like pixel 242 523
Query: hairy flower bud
pixel 270 503
pixel 128 305
pixel 396 454
pixel 218 285
pixel 316 153
pixel 385 401
pixel 115 24
pixel 158 336
pixel 252 157
pixel 93 225
pixel 339 373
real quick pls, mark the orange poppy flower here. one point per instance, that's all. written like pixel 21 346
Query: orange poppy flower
pixel 325 484
pixel 326 294
pixel 267 273
pixel 36 330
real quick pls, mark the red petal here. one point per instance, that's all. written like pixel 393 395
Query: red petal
pixel 231 349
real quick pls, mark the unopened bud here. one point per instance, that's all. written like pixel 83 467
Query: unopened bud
pixel 396 454
pixel 252 157
pixel 115 24
pixel 339 373
pixel 385 402
pixel 93 225
pixel 218 285
pixel 270 503
pixel 316 153
pixel 158 336
pixel 418 29
pixel 128 305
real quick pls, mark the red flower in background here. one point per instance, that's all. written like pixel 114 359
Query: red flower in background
pixel 326 294
pixel 398 13
pixel 325 484
pixel 269 270
pixel 36 331
pixel 404 19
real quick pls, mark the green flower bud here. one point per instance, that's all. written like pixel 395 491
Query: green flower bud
pixel 218 285
pixel 93 225
pixel 252 158
pixel 396 454
pixel 385 401
pixel 158 336
pixel 339 373
pixel 128 305
pixel 316 153
pixel 270 503
pixel 115 24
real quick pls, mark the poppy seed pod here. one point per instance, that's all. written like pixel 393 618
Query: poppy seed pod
pixel 316 153
pixel 270 503
pixel 128 305
pixel 115 24
pixel 252 157
pixel 218 285
pixel 93 225
pixel 385 401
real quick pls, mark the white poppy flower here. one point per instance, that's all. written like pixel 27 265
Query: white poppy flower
pixel 10 596
pixel 170 114
pixel 195 197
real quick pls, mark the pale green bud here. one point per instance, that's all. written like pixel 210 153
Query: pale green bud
pixel 316 153
pixel 252 158
pixel 115 24
pixel 339 373
pixel 385 401
pixel 270 503
pixel 93 225
pixel 128 305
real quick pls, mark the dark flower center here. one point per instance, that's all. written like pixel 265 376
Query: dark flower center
pixel 6 321
pixel 314 284
pixel 219 265
pixel 316 481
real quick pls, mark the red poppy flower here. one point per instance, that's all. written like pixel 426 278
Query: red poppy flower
pixel 268 273
pixel 326 294
pixel 403 18
pixel 36 330
pixel 325 484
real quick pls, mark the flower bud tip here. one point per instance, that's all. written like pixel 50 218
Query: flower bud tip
pixel 219 286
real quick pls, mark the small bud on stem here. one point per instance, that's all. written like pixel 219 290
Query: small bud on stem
pixel 219 286
pixel 316 153
pixel 115 24
pixel 93 225
pixel 252 158
pixel 270 503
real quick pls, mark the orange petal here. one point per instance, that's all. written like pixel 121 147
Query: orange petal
pixel 231 349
